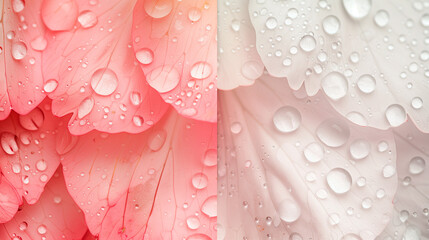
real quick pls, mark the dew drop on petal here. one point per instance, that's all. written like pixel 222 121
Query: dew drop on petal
pixel 193 222
pixel 18 5
pixel 289 211
pixel 307 43
pixel 417 103
pixel 33 120
pixel 360 149
pixel 41 165
pixel 87 19
pixel 417 165
pixel 194 14
pixel 252 70
pixel 366 203
pixel 381 18
pixel 357 118
pixel 287 119
pixel 16 168
pixel 339 180
pixel 144 56
pixel 104 81
pixel 23 226
pixel 85 107
pixel 335 85
pixel 42 229
pixel 163 78
pixel 50 85
pixel 388 171
pixel 201 70
pixel 136 98
pixel 236 127
pixel 138 120
pixel 199 181
pixel 395 115
pixel 19 50
pixel 271 23
pixel 425 20
pixel 39 43
pixel 157 139
pixel 209 206
pixel 314 152
pixel 331 25
pixel 366 83
pixel 333 132
pixel 159 8
pixel 210 158
pixel 357 9
pixel 8 143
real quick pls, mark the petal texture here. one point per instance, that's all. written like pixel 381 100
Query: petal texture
pixel 28 150
pixel 20 62
pixel 351 53
pixel 175 43
pixel 54 216
pixel 9 200
pixel 239 62
pixel 135 186
pixel 292 168
pixel 91 70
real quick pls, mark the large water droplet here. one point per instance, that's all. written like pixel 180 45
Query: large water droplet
pixel 381 18
pixel 85 107
pixel 333 132
pixel 289 211
pixel 335 85
pixel 366 83
pixel 8 143
pixel 314 152
pixel 209 206
pixel 331 25
pixel 271 23
pixel 33 120
pixel 287 119
pixel 360 149
pixel 388 171
pixel 50 85
pixel 357 9
pixel 307 43
pixel 417 165
pixel 18 5
pixel 201 70
pixel 104 81
pixel 163 78
pixel 41 165
pixel 396 115
pixel 210 158
pixel 19 50
pixel 193 222
pixel 87 19
pixel 199 181
pixel 339 180
pixel 144 56
pixel 42 229
pixel 194 14
pixel 159 8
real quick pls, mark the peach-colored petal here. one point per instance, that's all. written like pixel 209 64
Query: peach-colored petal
pixel 9 200
pixel 123 182
pixel 28 150
pixel 20 58
pixel 91 71
pixel 54 216
pixel 175 43
pixel 292 168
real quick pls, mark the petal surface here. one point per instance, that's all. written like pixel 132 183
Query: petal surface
pixel 28 150
pixel 292 168
pixel 351 52
pixel 9 200
pixel 239 62
pixel 91 72
pixel 54 216
pixel 135 186
pixel 175 43
pixel 20 62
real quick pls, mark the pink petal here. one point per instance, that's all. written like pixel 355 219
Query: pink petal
pixel 91 72
pixel 20 64
pixel 175 43
pixel 9 200
pixel 54 216
pixel 121 181
pixel 28 150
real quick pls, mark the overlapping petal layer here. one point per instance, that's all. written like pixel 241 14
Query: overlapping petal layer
pixel 20 62
pixel 156 184
pixel 175 43
pixel 369 57
pixel 90 70
pixel 292 168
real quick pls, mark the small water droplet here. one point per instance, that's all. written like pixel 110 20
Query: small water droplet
pixel 201 70
pixel 194 14
pixel 287 119
pixel 50 85
pixel 417 165
pixel 314 152
pixel 19 50
pixel 271 23
pixel 104 81
pixel 210 158
pixel 357 9
pixel 199 181
pixel 236 127
pixel 144 56
pixel 339 180
pixel 159 8
pixel 138 120
pixel 360 149
pixel 157 139
pixel 289 211
pixel 193 222
pixel 18 5
pixel 395 115
pixel 335 85
pixel 42 229
pixel 41 165
pixel 333 132
pixel 331 24
pixel 87 19
pixel 366 83
pixel 307 43
pixel 381 18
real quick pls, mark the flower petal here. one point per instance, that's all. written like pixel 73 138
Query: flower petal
pixel 28 150
pixel 20 64
pixel 54 216
pixel 291 167
pixel 9 200
pixel 175 43
pixel 122 181
pixel 351 53
pixel 91 72
pixel 412 197
pixel 239 62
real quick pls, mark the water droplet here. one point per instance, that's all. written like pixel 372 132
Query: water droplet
pixel 157 139
pixel 333 132
pixel 50 85
pixel 8 143
pixel 331 25
pixel 289 211
pixel 41 165
pixel 360 149
pixel 18 5
pixel 307 43
pixel 287 119
pixel 295 236
pixel 366 83
pixel 210 158
pixel 335 85
pixel 163 78
pixel 57 199
pixel 193 222
pixel 366 203
pixel 235 25
pixel 23 226
pixel 201 70
pixel 87 19
pixel 144 56
pixel 388 171
pixel 136 98
pixel 357 9
pixel 252 70
pixel 19 50
pixel 271 23
pixel 209 206
pixel 16 168
pixel 85 107
pixel 33 120
pixel 357 118
pixel 314 152
pixel 104 81
pixel 381 18
pixel 236 127
pixel 194 14
pixel 199 181
pixel 39 43
pixel 159 8
pixel 396 115
pixel 42 229
pixel 417 165
pixel 425 20
pixel 334 219
pixel 417 103
pixel 138 120
pixel 339 180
